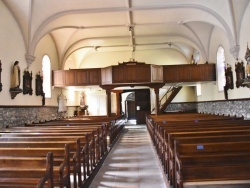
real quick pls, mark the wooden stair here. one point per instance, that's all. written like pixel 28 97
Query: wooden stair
pixel 173 92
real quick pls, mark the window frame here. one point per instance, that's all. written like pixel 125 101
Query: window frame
pixel 46 64
pixel 220 68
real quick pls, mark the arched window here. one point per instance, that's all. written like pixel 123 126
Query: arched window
pixel 46 68
pixel 221 80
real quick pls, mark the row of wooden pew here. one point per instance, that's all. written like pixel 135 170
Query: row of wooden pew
pixel 198 148
pixel 59 153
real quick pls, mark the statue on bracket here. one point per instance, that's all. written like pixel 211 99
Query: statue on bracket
pixel 39 87
pixel 247 57
pixel 15 80
pixel 240 74
pixel 246 81
pixel 27 82
pixel 229 80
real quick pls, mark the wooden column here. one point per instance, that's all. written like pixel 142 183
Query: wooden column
pixel 118 101
pixel 108 98
pixel 157 104
pixel 108 101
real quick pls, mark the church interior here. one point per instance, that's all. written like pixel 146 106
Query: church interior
pixel 87 76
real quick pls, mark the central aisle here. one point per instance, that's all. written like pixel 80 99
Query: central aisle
pixel 132 162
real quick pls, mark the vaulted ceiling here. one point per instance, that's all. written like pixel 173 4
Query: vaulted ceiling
pixel 81 27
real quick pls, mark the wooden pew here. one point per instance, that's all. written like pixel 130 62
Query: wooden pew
pixel 98 140
pixel 178 127
pixel 60 162
pixel 27 171
pixel 234 169
pixel 162 143
pixel 45 131
pixel 79 150
pixel 202 138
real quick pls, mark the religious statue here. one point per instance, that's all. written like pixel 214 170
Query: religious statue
pixel 62 100
pixel 15 78
pixel 247 57
pixel 83 106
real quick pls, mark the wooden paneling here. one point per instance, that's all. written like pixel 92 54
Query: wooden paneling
pixel 170 73
pixel 196 73
pixel 69 78
pixel 58 78
pixel 143 73
pixel 156 73
pixel 184 73
pixel 117 74
pixel 209 72
pixel 94 76
pixel 106 75
pixel 189 73
pixel 135 73
pixel 81 77
pixel 130 73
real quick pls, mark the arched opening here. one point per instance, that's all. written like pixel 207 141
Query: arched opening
pixel 46 68
pixel 221 80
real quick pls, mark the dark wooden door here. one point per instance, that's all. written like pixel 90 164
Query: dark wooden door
pixel 142 105
pixel 131 110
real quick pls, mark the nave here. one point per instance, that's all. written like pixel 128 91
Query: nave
pixel 132 162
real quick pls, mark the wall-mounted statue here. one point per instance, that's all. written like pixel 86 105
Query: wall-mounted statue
pixel 27 82
pixel 15 80
pixel 247 57
pixel 62 101
pixel 240 74
pixel 229 80
pixel 39 87
pixel 247 79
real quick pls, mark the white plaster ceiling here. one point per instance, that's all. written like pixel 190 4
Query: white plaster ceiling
pixel 126 25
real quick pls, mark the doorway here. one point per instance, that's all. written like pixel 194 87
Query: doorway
pixel 136 104
pixel 131 113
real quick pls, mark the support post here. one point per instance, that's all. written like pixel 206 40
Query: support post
pixel 108 89
pixel 108 101
pixel 118 101
pixel 157 106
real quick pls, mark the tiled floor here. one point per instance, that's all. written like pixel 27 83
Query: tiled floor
pixel 132 162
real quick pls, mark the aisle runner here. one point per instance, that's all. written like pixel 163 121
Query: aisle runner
pixel 132 163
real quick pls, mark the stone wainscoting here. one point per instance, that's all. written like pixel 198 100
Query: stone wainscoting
pixel 237 108
pixel 18 116
pixel 234 108
pixel 182 107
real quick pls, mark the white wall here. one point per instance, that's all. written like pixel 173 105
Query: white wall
pixel 11 50
pixel 159 57
pixel 46 46
pixel 96 101
pixel 210 90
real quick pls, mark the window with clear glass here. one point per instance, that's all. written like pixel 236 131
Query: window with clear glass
pixel 221 80
pixel 46 68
